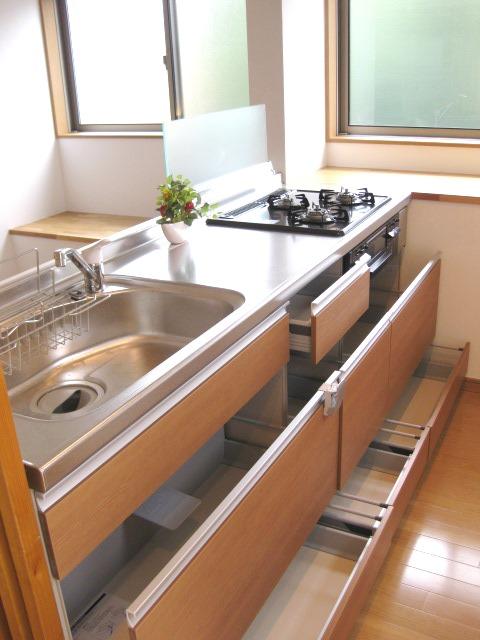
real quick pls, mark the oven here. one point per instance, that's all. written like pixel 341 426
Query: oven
pixel 385 248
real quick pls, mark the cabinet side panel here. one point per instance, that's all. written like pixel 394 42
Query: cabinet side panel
pixel 225 585
pixel 25 584
pixel 4 630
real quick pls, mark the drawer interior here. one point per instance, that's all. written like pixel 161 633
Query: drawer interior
pixel 120 568
pixel 308 591
pixel 373 478
pixel 423 391
pixel 398 437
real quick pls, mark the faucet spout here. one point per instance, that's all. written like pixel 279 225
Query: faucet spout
pixel 92 273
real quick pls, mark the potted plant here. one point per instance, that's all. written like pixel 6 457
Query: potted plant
pixel 179 205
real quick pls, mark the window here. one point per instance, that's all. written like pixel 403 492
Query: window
pixel 409 67
pixel 130 65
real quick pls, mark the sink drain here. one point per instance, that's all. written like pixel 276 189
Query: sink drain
pixel 67 397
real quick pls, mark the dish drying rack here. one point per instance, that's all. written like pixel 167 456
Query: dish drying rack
pixel 43 319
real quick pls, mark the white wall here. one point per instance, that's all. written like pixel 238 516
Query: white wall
pixel 454 230
pixel 112 175
pixel 30 171
pixel 430 159
pixel 265 65
pixel 286 68
pixel 303 65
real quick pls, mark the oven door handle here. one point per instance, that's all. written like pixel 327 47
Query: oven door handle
pixel 380 261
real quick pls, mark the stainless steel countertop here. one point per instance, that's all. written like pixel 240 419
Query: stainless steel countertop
pixel 266 267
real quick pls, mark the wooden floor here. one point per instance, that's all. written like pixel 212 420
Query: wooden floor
pixel 429 586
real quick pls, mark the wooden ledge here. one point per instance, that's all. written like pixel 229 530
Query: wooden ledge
pixel 437 187
pixel 77 226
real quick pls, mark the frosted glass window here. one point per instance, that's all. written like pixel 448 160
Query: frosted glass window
pixel 117 50
pixel 212 42
pixel 414 64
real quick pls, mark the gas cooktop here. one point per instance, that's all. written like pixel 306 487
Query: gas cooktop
pixel 324 212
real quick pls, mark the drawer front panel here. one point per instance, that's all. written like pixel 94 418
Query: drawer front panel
pixel 77 523
pixel 364 404
pixel 226 583
pixel 331 321
pixel 413 329
pixel 360 583
pixel 444 408
pixel 409 478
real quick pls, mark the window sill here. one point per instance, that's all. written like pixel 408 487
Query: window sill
pixel 406 140
pixel 111 134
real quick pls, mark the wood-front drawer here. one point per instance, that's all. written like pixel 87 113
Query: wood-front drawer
pixel 430 392
pixel 79 521
pixel 325 586
pixel 385 476
pixel 316 325
pixel 209 576
pixel 220 590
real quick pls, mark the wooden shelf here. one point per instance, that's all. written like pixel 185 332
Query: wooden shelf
pixel 77 226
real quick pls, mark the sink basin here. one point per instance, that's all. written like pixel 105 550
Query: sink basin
pixel 60 396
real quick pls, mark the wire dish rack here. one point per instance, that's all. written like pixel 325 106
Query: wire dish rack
pixel 41 320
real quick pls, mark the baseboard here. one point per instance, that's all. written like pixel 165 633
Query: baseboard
pixel 471 384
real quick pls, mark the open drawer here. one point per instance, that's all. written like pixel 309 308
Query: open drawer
pixel 257 506
pixel 429 395
pixel 77 517
pixel 325 585
pixel 385 476
pixel 319 320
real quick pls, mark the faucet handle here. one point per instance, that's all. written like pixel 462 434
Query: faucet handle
pixel 60 257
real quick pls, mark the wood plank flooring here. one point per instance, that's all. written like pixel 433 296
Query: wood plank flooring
pixel 429 586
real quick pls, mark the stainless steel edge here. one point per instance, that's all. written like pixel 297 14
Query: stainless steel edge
pixel 143 603
pixel 405 424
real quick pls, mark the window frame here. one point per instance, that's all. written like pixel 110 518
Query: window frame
pixel 337 99
pixel 62 80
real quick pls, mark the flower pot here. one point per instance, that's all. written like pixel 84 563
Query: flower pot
pixel 176 232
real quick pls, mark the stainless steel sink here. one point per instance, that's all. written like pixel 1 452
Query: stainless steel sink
pixel 62 396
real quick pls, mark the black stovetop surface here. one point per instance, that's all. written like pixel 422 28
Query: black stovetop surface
pixel 258 215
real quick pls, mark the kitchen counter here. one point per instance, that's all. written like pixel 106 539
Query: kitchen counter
pixel 423 186
pixel 266 268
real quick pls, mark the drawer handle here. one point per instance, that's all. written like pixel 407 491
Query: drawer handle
pixel 333 389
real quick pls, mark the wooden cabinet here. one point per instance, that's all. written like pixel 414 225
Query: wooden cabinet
pixel 381 460
pixel 294 521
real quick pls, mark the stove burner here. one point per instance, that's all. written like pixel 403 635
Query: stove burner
pixel 325 212
pixel 318 214
pixel 290 201
pixel 346 197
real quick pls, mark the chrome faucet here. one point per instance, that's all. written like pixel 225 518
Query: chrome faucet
pixel 92 273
